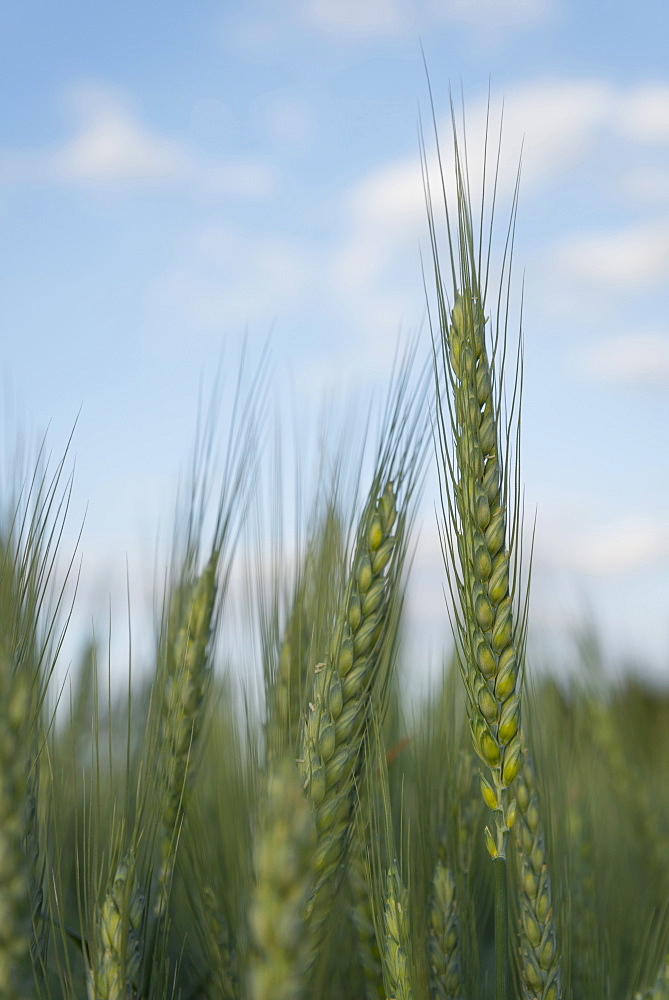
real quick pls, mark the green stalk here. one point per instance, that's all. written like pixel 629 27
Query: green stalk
pixel 501 930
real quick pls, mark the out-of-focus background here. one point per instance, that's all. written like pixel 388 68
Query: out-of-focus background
pixel 175 177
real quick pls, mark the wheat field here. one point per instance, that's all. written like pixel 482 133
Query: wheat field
pixel 508 836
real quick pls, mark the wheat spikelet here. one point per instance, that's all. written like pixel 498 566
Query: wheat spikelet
pixel 396 964
pixel 444 941
pixel 116 954
pixel 540 968
pixel 334 726
pixel 283 871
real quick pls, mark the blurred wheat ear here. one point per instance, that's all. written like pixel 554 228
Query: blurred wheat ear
pixel 31 526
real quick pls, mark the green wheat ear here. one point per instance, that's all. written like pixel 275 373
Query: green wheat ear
pixel 540 966
pixel 480 526
pixel 117 950
pixel 283 870
pixel 490 660
pixel 396 961
pixel 30 530
pixel 446 981
pixel 184 687
pixel 334 727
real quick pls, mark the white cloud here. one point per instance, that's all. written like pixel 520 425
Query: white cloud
pixel 362 19
pixel 635 358
pixel 384 212
pixel 631 258
pixel 287 117
pixel 630 544
pixel 358 19
pixel 112 148
pixel 225 279
pixel 493 15
pixel 645 185
pixel 574 534
pixel 643 114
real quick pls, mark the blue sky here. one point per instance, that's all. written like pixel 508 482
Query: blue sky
pixel 172 177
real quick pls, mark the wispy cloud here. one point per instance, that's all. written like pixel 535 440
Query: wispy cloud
pixel 111 147
pixel 643 113
pixel 630 544
pixel 383 213
pixel 493 15
pixel 632 258
pixel 358 19
pixel 637 359
pixel 575 536
pixel 225 278
pixel 361 20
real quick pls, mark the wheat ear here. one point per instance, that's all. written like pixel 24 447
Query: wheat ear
pixel 363 920
pixel 306 628
pixel 477 539
pixel 29 534
pixel 396 946
pixel 444 942
pixel 117 948
pixel 540 969
pixel 490 662
pixel 184 687
pixel 333 730
pixel 283 871
pixel 16 978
